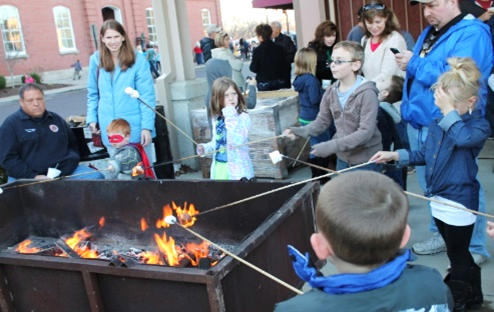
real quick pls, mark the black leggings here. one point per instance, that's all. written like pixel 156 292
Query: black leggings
pixel 457 239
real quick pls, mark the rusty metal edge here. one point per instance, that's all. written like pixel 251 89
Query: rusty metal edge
pixel 215 294
pixel 93 292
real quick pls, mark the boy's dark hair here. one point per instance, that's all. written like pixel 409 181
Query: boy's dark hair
pixel 395 90
pixel 363 215
pixel 264 31
pixel 119 125
pixel 29 86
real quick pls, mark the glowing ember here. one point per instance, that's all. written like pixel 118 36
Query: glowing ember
pixel 101 222
pixel 24 247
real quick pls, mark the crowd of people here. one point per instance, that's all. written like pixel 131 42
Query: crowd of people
pixel 375 98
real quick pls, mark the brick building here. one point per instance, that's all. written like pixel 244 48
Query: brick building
pixel 50 35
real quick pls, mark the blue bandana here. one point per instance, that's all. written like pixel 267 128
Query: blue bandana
pixel 348 283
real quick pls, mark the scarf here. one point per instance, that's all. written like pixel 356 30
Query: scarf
pixel 348 283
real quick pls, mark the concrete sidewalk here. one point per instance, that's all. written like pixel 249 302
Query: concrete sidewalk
pixel 419 221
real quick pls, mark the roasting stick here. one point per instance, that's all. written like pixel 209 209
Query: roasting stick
pixel 274 156
pixel 156 165
pixel 281 188
pixel 172 220
pixel 135 95
pixel 300 153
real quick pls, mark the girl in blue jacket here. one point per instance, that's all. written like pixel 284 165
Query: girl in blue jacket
pixel 113 68
pixel 453 143
pixel 310 94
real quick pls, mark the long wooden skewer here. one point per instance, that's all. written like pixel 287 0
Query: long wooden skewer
pixel 406 192
pixel 282 188
pixel 300 153
pixel 250 265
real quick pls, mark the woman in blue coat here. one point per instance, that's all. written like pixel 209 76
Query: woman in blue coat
pixel 113 68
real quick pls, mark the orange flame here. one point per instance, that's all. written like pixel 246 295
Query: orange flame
pixel 101 222
pixel 198 250
pixel 24 247
pixel 144 225
pixel 151 257
pixel 185 215
pixel 167 211
pixel 168 248
pixel 83 251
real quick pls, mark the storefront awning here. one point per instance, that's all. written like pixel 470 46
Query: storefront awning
pixel 273 4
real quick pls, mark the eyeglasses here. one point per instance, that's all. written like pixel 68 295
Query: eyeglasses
pixel 339 62
pixel 376 6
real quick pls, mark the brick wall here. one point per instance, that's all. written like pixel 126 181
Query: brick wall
pixel 40 38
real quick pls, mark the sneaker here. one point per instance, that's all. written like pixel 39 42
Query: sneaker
pixel 433 245
pixel 411 170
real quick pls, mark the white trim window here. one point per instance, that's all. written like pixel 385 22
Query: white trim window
pixel 151 25
pixel 10 25
pixel 206 17
pixel 65 32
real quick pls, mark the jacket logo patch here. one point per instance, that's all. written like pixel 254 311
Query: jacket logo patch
pixel 54 128
pixel 30 130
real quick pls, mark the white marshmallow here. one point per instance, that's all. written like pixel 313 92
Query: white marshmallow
pixel 275 157
pixel 1 190
pixel 132 93
pixel 170 220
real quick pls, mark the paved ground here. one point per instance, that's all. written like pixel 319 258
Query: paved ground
pixel 419 215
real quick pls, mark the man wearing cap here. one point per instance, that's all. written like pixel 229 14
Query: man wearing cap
pixel 207 43
pixel 34 139
pixel 450 34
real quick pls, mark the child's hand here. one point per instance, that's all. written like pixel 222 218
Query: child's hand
pixel 314 152
pixel 92 127
pixel 443 101
pixel 200 150
pixel 490 229
pixel 384 157
pixel 110 168
pixel 289 134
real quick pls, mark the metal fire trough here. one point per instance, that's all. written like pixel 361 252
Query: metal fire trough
pixel 260 229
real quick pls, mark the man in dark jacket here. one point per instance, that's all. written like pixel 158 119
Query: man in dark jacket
pixel 34 139
pixel 207 43
pixel 288 46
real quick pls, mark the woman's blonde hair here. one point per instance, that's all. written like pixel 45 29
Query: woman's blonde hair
pixel 462 81
pixel 305 61
pixel 126 55
pixel 219 40
pixel 218 91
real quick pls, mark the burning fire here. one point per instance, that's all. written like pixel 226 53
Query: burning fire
pixel 167 253
pixel 137 170
pixel 24 247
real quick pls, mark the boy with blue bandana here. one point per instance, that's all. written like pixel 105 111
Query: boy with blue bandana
pixel 361 218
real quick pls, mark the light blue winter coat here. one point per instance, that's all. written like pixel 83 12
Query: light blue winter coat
pixel 467 38
pixel 112 102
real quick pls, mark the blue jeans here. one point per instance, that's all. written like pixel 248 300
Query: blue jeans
pixel 477 244
pixel 80 173
pixel 340 165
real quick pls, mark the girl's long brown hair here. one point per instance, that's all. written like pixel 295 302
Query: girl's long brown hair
pixel 218 91
pixel 126 56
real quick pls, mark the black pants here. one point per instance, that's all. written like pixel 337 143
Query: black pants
pixel 457 239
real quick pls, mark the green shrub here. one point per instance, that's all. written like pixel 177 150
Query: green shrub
pixel 3 82
pixel 36 77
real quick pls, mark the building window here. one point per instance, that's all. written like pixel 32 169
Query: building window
pixel 65 33
pixel 10 24
pixel 151 25
pixel 206 17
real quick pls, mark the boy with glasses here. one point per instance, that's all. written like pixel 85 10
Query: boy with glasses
pixel 352 103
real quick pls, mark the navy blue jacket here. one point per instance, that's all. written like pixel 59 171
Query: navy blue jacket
pixel 451 147
pixel 310 94
pixel 31 145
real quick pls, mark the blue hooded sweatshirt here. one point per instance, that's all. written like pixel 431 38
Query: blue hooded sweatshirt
pixel 310 94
